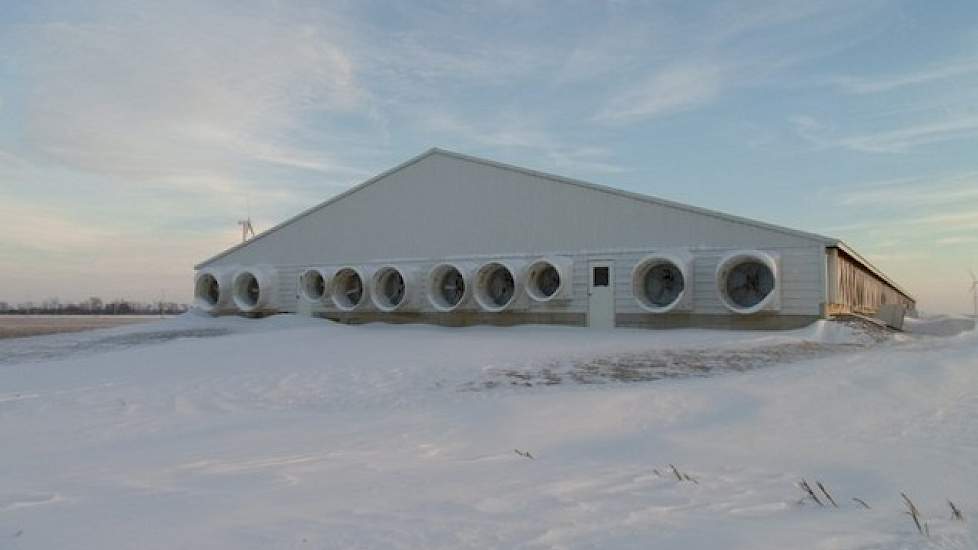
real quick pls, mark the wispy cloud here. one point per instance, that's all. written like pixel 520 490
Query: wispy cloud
pixel 956 240
pixel 722 52
pixel 888 141
pixel 163 91
pixel 884 83
pixel 674 89
pixel 903 139
pixel 936 190
pixel 521 133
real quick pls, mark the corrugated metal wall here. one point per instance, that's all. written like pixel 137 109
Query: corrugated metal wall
pixel 801 281
pixel 445 206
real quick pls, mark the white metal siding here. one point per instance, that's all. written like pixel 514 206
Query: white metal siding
pixel 800 277
pixel 444 206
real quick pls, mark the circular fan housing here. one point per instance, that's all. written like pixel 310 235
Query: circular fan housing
pixel 390 289
pixel 209 292
pixel 347 289
pixel 548 279
pixel 496 286
pixel 313 285
pixel 251 289
pixel 447 287
pixel 748 282
pixel 659 283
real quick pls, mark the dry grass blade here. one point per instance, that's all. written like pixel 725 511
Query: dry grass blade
pixel 955 512
pixel 808 489
pixel 676 471
pixel 524 454
pixel 861 501
pixel 914 513
pixel 826 493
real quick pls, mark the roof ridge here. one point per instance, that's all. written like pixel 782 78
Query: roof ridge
pixel 828 241
pixel 639 196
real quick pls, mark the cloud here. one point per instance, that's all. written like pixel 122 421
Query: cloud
pixel 908 137
pixel 524 134
pixel 166 90
pixel 944 221
pixel 890 141
pixel 870 85
pixel 674 89
pixel 937 190
pixel 690 63
pixel 958 239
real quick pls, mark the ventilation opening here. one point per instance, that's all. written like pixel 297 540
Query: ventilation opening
pixel 247 291
pixel 497 287
pixel 447 287
pixel 659 285
pixel 208 290
pixel 313 285
pixel 390 289
pixel 544 281
pixel 747 282
pixel 347 289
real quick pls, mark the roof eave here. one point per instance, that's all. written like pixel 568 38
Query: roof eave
pixel 841 245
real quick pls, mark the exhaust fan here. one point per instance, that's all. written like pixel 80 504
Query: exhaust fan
pixel 748 282
pixel 448 286
pixel 392 288
pixel 314 285
pixel 212 290
pixel 549 279
pixel 659 282
pixel 497 285
pixel 252 289
pixel 347 289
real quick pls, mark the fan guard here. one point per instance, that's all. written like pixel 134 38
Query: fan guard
pixel 252 289
pixel 212 290
pixel 313 285
pixel 500 287
pixel 347 291
pixel 390 287
pixel 208 289
pixel 447 286
pixel 549 278
pixel 663 284
pixel 748 282
pixel 659 282
pixel 497 286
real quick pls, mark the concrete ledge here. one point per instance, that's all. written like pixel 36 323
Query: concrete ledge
pixel 459 318
pixel 577 319
pixel 735 322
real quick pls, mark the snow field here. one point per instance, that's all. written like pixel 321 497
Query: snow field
pixel 299 433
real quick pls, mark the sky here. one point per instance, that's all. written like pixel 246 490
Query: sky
pixel 134 135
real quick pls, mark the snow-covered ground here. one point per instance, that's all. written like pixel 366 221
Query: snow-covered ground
pixel 299 433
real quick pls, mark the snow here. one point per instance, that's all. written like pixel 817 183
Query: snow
pixel 289 432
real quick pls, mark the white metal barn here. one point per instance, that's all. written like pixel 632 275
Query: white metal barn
pixel 452 239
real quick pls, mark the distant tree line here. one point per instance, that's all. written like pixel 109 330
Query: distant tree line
pixel 93 306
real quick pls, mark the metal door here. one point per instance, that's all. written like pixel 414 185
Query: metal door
pixel 601 294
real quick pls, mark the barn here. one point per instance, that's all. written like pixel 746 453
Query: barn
pixel 452 239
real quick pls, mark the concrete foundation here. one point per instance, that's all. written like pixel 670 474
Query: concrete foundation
pixel 647 321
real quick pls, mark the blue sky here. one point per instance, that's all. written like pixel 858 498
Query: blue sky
pixel 134 135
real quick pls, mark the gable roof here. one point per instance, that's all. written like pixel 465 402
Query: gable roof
pixel 827 241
